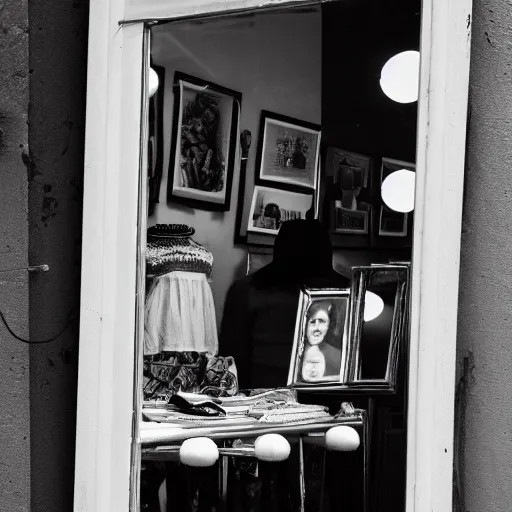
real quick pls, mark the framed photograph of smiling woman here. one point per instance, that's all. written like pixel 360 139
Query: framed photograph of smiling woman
pixel 319 349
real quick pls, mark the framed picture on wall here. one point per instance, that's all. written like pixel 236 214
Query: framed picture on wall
pixel 351 175
pixel 347 198
pixel 270 207
pixel 392 223
pixel 203 144
pixel 288 153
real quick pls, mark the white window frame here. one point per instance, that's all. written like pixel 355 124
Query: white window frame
pixel 105 411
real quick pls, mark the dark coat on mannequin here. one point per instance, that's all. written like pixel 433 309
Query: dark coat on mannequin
pixel 260 311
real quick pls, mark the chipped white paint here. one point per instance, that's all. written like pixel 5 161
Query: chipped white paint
pixel 106 378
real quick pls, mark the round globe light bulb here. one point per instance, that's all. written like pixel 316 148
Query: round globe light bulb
pixel 397 190
pixel 373 306
pixel 199 452
pixel 153 82
pixel 342 439
pixel 272 448
pixel 400 76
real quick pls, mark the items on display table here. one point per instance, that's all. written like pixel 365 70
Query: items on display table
pixel 257 407
pixel 189 415
pixel 179 311
pixel 244 436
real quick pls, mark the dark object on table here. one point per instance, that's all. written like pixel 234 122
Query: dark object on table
pixel 204 408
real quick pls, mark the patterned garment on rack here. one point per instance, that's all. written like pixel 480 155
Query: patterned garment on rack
pixel 220 377
pixel 169 253
pixel 190 372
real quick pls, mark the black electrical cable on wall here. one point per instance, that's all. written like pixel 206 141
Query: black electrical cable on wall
pixel 36 268
pixel 23 340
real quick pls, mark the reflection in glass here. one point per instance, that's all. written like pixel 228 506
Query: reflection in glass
pixel 373 306
pixel 216 271
pixel 400 77
pixel 376 343
pixel 152 82
pixel 376 335
pixel 398 190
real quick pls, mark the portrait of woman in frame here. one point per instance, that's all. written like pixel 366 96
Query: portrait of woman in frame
pixel 319 348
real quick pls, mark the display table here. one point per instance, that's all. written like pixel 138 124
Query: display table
pixel 262 426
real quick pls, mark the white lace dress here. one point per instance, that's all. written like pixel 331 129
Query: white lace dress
pixel 180 314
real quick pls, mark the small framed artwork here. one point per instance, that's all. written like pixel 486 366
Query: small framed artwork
pixel 204 141
pixel 288 153
pixel 270 207
pixel 320 342
pixel 351 173
pixel 391 223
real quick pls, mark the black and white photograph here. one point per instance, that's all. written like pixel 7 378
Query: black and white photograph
pixel 320 334
pixel 288 152
pixel 249 261
pixel 271 207
pixel 392 223
pixel 352 174
pixel 204 138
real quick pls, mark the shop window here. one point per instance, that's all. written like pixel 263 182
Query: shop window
pixel 255 281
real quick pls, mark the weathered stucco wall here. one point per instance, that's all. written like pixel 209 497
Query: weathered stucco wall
pixel 14 284
pixel 58 49
pixel 43 48
pixel 485 320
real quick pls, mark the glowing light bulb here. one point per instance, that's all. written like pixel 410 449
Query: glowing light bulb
pixel 153 82
pixel 199 452
pixel 271 447
pixel 342 439
pixel 400 76
pixel 397 190
pixel 373 306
